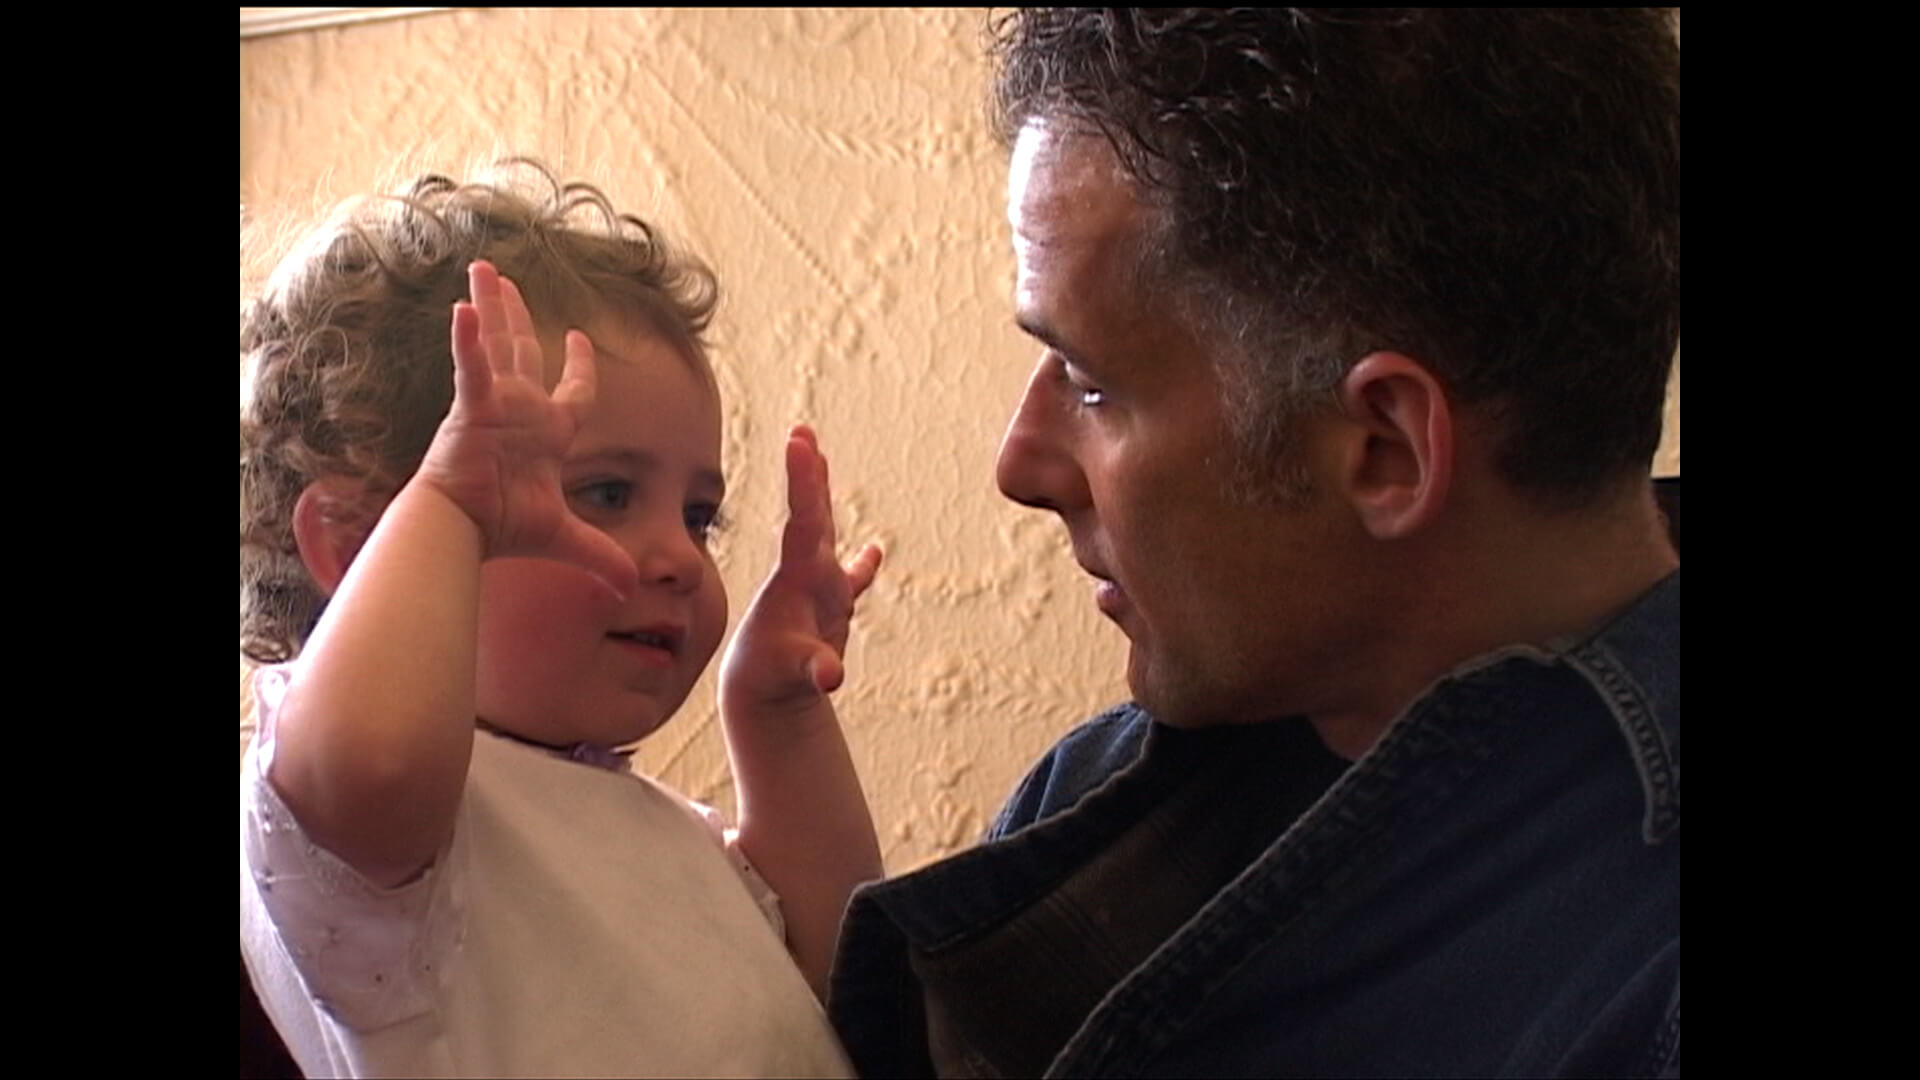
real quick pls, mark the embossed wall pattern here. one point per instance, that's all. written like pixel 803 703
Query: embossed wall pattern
pixel 836 169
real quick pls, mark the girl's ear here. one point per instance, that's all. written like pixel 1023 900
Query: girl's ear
pixel 330 521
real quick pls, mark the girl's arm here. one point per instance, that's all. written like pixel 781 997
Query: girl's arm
pixel 371 743
pixel 803 820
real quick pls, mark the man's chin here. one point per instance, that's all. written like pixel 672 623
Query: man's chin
pixel 1184 696
pixel 1168 698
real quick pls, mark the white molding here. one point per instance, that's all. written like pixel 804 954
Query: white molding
pixel 259 21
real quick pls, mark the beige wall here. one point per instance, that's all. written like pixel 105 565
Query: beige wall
pixel 835 168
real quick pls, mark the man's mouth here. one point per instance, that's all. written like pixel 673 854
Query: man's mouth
pixel 1107 593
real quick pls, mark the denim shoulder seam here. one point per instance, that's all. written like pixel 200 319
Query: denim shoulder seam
pixel 1664 1057
pixel 1653 758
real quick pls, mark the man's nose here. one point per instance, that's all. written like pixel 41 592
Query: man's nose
pixel 1036 466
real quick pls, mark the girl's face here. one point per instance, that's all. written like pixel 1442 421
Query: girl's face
pixel 560 660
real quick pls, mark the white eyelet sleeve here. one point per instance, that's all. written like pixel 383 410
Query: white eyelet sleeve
pixel 368 956
pixel 729 840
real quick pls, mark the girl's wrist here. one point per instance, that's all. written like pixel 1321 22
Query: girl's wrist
pixel 426 503
pixel 783 726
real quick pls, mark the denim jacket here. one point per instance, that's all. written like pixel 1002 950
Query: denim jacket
pixel 1492 890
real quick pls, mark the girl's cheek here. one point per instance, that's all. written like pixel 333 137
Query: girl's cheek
pixel 712 616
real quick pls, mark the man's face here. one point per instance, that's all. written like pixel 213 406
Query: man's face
pixel 1236 611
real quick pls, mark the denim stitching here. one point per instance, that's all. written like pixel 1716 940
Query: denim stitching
pixel 1651 756
pixel 1332 839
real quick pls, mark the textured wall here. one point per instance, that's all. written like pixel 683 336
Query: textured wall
pixel 836 170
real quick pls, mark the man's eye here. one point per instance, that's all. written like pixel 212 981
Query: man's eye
pixel 604 495
pixel 703 520
pixel 1084 392
pixel 1087 395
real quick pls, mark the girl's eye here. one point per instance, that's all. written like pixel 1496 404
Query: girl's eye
pixel 604 495
pixel 703 520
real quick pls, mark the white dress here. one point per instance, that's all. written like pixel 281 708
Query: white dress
pixel 583 922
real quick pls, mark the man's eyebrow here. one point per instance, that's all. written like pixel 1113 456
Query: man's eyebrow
pixel 1034 327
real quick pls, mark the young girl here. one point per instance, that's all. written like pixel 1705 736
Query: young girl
pixel 478 587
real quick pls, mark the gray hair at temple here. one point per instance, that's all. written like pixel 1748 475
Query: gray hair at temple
pixel 1493 192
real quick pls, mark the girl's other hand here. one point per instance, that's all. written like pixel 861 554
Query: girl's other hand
pixel 790 648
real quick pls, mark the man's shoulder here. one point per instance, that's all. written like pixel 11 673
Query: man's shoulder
pixel 1081 761
pixel 1634 665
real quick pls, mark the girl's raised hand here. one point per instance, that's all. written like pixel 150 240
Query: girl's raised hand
pixel 498 454
pixel 789 650
pixel 803 820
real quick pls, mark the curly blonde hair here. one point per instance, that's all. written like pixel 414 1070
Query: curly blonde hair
pixel 349 354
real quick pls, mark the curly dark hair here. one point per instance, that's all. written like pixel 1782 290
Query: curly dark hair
pixel 1495 192
pixel 350 356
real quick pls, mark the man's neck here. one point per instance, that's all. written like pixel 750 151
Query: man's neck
pixel 1504 575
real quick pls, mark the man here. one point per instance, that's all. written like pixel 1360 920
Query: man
pixel 1356 326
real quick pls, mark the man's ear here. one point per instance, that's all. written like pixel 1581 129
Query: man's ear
pixel 331 519
pixel 1400 469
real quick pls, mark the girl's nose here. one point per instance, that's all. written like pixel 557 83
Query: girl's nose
pixel 669 555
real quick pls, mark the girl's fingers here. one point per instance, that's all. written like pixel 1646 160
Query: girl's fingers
pixel 828 534
pixel 598 554
pixel 483 285
pixel 527 359
pixel 472 379
pixel 519 319
pixel 809 490
pixel 862 570
pixel 811 534
pixel 578 378
pixel 801 540
pixel 827 671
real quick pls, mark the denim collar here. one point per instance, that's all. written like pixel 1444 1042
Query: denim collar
pixel 1633 663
